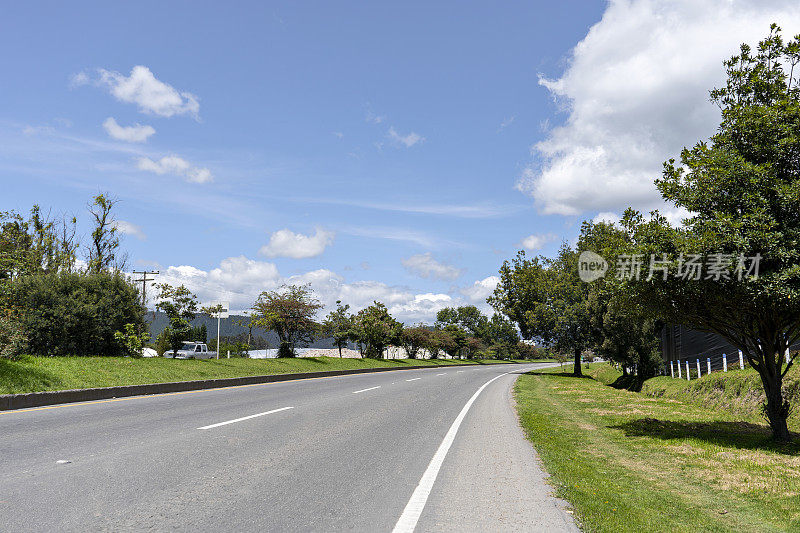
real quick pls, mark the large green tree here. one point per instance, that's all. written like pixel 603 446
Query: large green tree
pixel 291 312
pixel 376 329
pixel 546 299
pixel 742 190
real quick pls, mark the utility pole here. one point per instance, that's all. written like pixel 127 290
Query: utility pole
pixel 144 281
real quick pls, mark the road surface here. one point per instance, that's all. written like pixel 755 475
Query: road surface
pixel 396 451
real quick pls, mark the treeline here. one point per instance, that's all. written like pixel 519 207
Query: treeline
pixel 62 295
pixel 291 312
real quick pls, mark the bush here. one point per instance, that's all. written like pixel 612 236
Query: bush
pixel 12 336
pixel 131 342
pixel 76 313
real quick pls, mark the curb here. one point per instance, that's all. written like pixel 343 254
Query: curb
pixel 38 399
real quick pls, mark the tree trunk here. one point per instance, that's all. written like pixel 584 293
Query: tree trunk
pixel 577 370
pixel 340 350
pixel 777 407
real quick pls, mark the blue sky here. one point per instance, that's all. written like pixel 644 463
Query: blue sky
pixel 381 150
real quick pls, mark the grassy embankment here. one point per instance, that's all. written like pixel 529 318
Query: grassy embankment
pixel 679 456
pixel 34 374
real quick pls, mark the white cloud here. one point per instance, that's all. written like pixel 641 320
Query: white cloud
pixel 128 228
pixel 153 96
pixel 408 140
pixel 537 241
pixel 133 134
pixel 636 92
pixel 240 280
pixel 506 123
pixel 373 118
pixel 607 217
pixel 338 134
pixel 178 166
pixel 481 289
pixel 425 266
pixel 286 243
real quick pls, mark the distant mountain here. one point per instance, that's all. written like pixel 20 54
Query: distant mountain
pixel 229 327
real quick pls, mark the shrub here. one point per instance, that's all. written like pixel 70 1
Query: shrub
pixel 131 342
pixel 12 336
pixel 76 313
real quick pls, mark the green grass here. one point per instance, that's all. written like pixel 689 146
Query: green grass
pixel 659 460
pixel 34 374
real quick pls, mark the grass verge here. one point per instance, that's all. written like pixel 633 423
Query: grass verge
pixel 627 461
pixel 35 374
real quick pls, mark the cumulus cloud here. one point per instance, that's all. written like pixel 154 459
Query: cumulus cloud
pixel 240 280
pixel 407 140
pixel 286 243
pixel 178 166
pixel 133 134
pixel 142 88
pixel 537 241
pixel 481 289
pixel 128 228
pixel 607 217
pixel 636 92
pixel 425 266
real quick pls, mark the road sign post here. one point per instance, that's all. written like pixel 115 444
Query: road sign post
pixel 222 311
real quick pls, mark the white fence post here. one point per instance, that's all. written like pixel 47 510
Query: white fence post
pixel 708 361
pixel 671 369
pixel 699 374
pixel 724 363
pixel 741 360
pixel 688 373
pixel 787 354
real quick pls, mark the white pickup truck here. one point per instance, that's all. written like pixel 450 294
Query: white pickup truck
pixel 192 350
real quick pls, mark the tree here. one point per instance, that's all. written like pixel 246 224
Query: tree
pixel 339 325
pixel 39 245
pixel 502 336
pixel 414 339
pixel 180 306
pixel 454 340
pixel 468 317
pixel 376 329
pixel 104 247
pixel 625 332
pixel 742 190
pixel 546 299
pixel 289 311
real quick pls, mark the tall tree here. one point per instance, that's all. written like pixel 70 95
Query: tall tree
pixel 104 248
pixel 180 306
pixel 742 190
pixel 339 326
pixel 547 300
pixel 290 311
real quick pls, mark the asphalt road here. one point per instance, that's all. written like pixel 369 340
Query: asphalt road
pixel 368 452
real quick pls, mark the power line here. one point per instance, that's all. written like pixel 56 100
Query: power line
pixel 144 281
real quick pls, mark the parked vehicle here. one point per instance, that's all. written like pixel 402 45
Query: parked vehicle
pixel 192 350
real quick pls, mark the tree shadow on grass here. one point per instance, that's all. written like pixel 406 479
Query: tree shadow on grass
pixel 21 378
pixel 558 375
pixel 743 435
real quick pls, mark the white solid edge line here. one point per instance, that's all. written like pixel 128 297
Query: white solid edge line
pixel 365 390
pixel 413 379
pixel 408 520
pixel 245 418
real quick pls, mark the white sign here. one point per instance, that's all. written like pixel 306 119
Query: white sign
pixel 226 307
